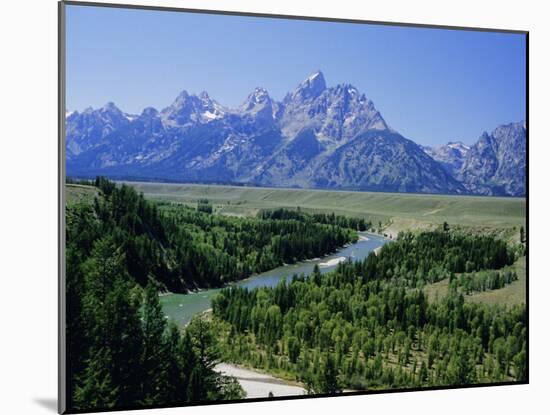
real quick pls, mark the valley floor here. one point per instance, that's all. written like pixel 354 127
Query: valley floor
pixel 394 211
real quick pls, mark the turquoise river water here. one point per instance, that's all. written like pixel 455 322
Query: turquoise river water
pixel 182 307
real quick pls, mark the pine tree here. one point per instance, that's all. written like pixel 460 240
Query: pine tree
pixel 520 366
pixel 328 377
pixel 172 384
pixel 95 388
pixel 423 373
pixel 154 326
pixel 203 382
pixel 124 339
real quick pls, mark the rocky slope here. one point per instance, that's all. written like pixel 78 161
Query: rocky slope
pixel 316 137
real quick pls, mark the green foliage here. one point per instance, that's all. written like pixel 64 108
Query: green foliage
pixel 121 353
pixel 203 205
pixel 213 250
pixel 522 238
pixel 325 381
pixel 328 219
pixel 82 182
pixel 182 248
pixel 135 359
pixel 404 211
pixel 362 326
pixel 483 281
pixel 428 257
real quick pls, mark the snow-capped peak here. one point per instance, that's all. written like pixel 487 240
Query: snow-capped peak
pixel 311 87
pixel 315 75
pixel 257 98
pixel 260 94
pixel 189 108
pixel 459 146
pixel 204 97
pixel 258 103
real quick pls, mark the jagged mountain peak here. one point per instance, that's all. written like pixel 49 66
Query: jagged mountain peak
pixel 188 109
pixel 260 93
pixel 316 77
pixel 458 146
pixel 110 106
pixel 257 99
pixel 334 114
pixel 206 100
pixel 149 112
pixel 450 156
pixel 311 87
pixel 504 129
pixel 496 163
pixel 318 136
pixel 181 99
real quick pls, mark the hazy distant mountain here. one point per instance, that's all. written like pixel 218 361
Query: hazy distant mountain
pixel 450 156
pixel 86 130
pixel 316 137
pixel 496 163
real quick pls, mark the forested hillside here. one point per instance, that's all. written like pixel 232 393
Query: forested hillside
pixel 121 250
pixel 366 326
pixel 182 248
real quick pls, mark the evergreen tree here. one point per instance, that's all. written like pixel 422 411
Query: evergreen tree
pixel 327 382
pixel 95 389
pixel 154 325
pixel 204 381
pixel 172 385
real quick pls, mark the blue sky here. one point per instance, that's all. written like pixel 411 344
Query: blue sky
pixel 431 85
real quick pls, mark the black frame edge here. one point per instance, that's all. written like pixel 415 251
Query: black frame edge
pixel 61 347
pixel 527 190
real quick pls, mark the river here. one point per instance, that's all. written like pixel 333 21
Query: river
pixel 182 307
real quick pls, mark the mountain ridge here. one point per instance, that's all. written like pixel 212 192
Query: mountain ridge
pixel 317 136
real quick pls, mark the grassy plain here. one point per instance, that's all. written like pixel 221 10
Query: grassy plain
pixel 76 193
pixel 514 293
pixel 396 211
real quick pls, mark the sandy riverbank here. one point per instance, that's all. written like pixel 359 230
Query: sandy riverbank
pixel 332 262
pixel 257 384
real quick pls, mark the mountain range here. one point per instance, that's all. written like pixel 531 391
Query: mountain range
pixel 316 137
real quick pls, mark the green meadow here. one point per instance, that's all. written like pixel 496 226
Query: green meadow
pixel 397 211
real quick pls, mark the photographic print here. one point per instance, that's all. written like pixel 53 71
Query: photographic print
pixel 265 207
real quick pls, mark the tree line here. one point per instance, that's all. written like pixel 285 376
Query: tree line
pixel 482 280
pixel 421 258
pixel 359 224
